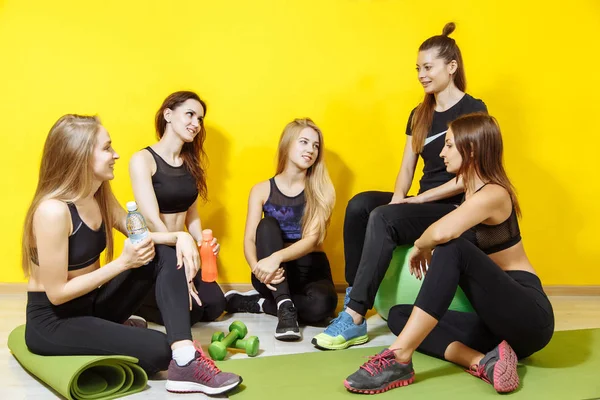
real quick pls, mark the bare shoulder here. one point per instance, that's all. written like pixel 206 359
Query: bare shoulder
pixel 52 213
pixel 493 196
pixel 142 160
pixel 260 191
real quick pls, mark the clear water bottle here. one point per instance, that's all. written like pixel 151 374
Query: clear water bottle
pixel 136 224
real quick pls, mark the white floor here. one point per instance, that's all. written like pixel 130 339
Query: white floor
pixel 16 384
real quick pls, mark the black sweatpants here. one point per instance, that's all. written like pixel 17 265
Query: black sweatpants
pixel 211 296
pixel 372 230
pixel 93 323
pixel 308 280
pixel 509 305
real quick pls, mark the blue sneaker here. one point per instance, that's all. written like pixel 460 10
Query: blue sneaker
pixel 342 333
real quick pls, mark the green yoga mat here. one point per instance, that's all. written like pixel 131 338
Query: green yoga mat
pixel 568 368
pixel 80 377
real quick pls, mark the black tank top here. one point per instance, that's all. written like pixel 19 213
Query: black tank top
pixel 85 244
pixel 494 238
pixel 287 211
pixel 175 188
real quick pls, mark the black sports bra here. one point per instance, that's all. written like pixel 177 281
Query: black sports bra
pixel 85 244
pixel 494 238
pixel 174 187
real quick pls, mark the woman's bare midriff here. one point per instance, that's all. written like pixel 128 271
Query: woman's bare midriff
pixel 513 259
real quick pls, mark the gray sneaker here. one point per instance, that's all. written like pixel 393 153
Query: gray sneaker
pixel 200 375
pixel 381 373
pixel 498 368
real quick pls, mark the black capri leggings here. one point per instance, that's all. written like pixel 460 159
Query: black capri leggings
pixel 93 323
pixel 372 230
pixel 510 305
pixel 307 281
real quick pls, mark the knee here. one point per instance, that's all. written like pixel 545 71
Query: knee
pixel 452 247
pixel 398 317
pixel 359 204
pixel 267 227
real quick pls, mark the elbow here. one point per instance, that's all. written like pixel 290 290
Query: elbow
pixel 440 236
pixel 55 298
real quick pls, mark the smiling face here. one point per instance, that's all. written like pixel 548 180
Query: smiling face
pixel 304 150
pixel 103 157
pixel 185 120
pixel 433 72
pixel 452 158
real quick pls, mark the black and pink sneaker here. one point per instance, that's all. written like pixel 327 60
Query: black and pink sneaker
pixel 200 375
pixel 498 368
pixel 381 373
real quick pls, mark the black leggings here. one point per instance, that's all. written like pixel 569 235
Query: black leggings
pixel 211 296
pixel 307 281
pixel 93 323
pixel 372 230
pixel 510 305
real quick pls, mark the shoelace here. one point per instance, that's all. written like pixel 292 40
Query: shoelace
pixel 479 372
pixel 205 368
pixel 288 314
pixel 336 326
pixel 378 362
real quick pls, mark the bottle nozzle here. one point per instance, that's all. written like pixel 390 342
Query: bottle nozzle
pixel 207 234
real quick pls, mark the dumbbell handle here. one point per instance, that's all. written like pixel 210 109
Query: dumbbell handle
pixel 231 338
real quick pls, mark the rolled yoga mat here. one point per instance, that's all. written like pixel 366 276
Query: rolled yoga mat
pixel 400 287
pixel 80 377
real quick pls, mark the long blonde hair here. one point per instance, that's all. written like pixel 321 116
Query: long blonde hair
pixel 66 174
pixel 318 188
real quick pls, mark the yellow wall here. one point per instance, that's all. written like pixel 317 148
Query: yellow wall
pixel 349 65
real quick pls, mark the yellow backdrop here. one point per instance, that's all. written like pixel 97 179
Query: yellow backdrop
pixel 349 65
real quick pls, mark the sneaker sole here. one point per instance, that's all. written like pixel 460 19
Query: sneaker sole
pixel 341 346
pixel 192 387
pixel 506 378
pixel 248 293
pixel 288 336
pixel 391 385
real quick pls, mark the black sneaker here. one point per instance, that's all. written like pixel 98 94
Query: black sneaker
pixel 242 301
pixel 381 373
pixel 287 327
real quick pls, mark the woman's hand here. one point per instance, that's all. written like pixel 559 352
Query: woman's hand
pixel 419 260
pixel 136 255
pixel 276 278
pixel 265 269
pixel 188 257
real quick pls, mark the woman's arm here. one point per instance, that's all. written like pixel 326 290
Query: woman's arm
pixel 406 173
pixel 479 207
pixel 52 226
pixel 140 172
pixel 448 189
pixel 258 195
pixel 193 223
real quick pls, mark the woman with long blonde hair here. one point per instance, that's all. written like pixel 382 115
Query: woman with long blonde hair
pixel 290 271
pixel 74 307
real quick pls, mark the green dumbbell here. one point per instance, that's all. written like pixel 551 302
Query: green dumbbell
pixel 218 348
pixel 250 345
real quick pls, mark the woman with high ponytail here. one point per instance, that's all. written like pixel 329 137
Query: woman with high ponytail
pixel 377 222
pixel 286 224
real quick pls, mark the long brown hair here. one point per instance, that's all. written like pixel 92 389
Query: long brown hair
pixel 447 50
pixel 478 139
pixel 318 188
pixel 66 174
pixel 193 155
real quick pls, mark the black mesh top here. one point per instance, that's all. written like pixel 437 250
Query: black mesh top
pixel 287 211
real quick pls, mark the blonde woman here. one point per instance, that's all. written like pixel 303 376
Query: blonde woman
pixel 285 228
pixel 74 307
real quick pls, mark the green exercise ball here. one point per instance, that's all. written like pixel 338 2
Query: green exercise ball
pixel 400 287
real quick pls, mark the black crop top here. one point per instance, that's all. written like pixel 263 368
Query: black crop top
pixel 494 238
pixel 174 187
pixel 85 244
pixel 287 211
